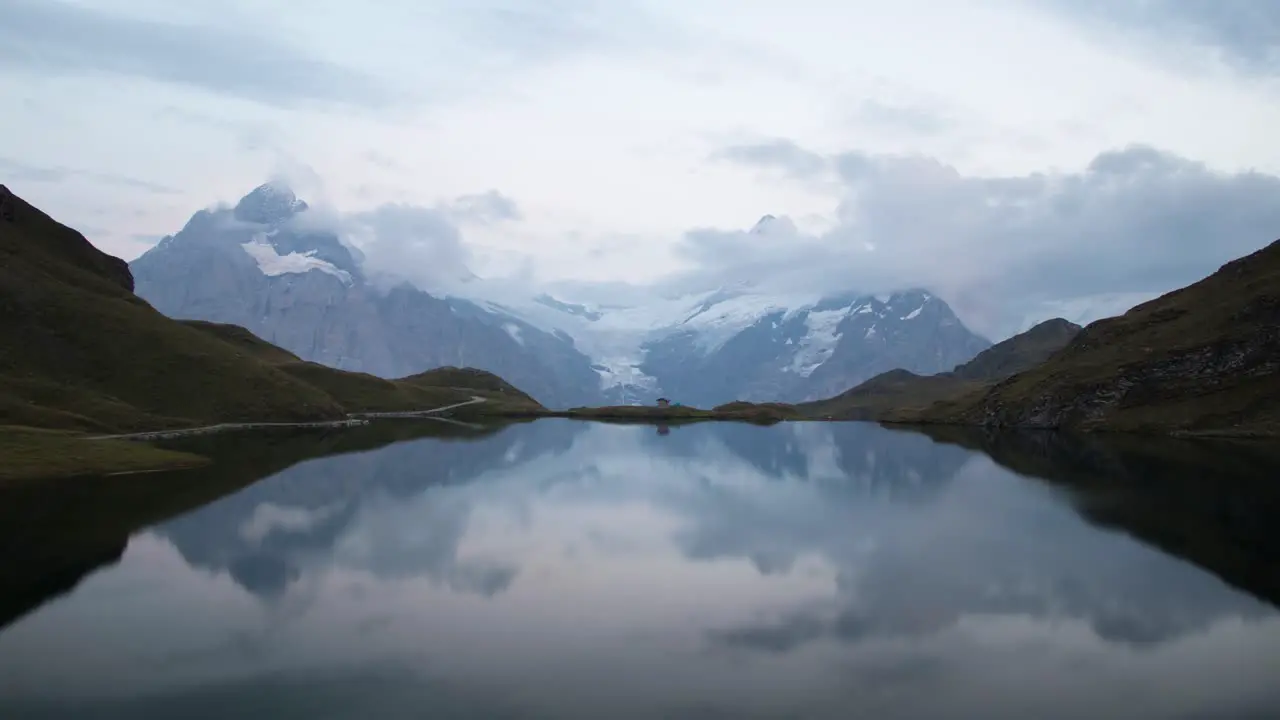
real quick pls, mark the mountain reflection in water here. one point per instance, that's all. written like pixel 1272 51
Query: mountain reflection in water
pixel 563 569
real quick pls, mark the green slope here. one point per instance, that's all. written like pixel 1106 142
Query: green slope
pixel 1202 359
pixel 362 392
pixel 78 350
pixel 901 391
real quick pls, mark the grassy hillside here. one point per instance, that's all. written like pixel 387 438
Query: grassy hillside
pixel 78 350
pixel 1019 353
pixel 901 391
pixel 361 392
pixel 887 393
pixel 34 454
pixel 1203 359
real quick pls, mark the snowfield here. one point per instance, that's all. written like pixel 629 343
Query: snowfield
pixel 614 337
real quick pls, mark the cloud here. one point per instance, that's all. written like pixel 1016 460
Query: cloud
pixel 31 173
pixel 402 242
pixel 420 244
pixel 249 135
pixel 1002 249
pixel 382 161
pixel 778 154
pixel 488 207
pixel 59 38
pixel 901 118
pixel 534 31
pixel 1241 33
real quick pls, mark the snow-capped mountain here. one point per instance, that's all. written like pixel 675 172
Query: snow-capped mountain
pixel 742 348
pixel 254 265
pixel 259 266
pixel 740 343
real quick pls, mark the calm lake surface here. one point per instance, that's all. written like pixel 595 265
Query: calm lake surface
pixel 560 569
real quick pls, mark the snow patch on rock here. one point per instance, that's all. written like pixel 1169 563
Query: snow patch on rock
pixel 818 344
pixel 717 323
pixel 272 263
pixel 622 372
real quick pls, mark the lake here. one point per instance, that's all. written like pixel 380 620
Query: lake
pixel 559 569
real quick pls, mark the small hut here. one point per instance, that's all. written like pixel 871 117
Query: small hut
pixel 663 402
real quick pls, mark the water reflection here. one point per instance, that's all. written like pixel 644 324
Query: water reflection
pixel 557 569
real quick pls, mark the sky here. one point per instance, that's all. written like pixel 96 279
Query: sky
pixel 1020 159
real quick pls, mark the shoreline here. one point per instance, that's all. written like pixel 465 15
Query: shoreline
pixel 1240 434
pixel 356 419
pixel 36 455
pixel 39 453
pixel 224 427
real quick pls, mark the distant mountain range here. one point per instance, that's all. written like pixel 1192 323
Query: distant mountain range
pixel 749 348
pixel 306 291
pixel 257 265
pixel 80 351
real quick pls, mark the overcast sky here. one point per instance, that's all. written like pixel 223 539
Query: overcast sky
pixel 1019 158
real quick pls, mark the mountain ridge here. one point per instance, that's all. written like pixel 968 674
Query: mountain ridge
pixel 790 354
pixel 80 351
pixel 306 291
pixel 1202 359
pixel 892 392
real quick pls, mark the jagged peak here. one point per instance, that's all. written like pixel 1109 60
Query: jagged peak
pixel 1054 324
pixel 270 203
pixel 771 224
pixel 763 223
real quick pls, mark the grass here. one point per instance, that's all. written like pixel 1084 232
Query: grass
pixel 899 392
pixel 1202 359
pixel 884 394
pixel 31 454
pixel 362 392
pixel 80 351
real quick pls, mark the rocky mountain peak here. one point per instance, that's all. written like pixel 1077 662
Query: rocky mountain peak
pixel 763 223
pixel 270 203
pixel 773 225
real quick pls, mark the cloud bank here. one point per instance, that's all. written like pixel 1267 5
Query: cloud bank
pixel 61 38
pixel 423 245
pixel 1134 223
pixel 1005 252
pixel 1242 34
pixel 981 149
